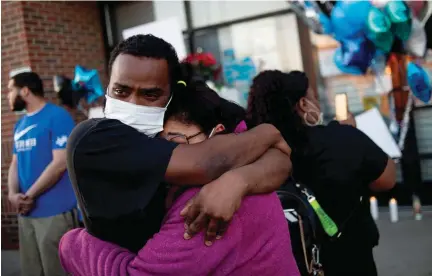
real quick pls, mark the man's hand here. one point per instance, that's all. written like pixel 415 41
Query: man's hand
pixel 214 206
pixel 283 147
pixel 21 202
pixel 27 206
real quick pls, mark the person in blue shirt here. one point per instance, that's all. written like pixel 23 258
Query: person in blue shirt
pixel 38 183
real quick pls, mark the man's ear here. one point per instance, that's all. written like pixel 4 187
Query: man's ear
pixel 24 92
pixel 219 128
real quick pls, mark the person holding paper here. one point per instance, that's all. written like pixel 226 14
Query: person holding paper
pixel 339 163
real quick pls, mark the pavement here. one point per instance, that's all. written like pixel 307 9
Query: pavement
pixel 405 247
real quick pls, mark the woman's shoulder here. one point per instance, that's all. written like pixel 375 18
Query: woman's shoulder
pixel 335 133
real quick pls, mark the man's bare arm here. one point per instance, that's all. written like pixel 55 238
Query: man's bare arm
pixel 49 177
pixel 265 175
pixel 204 162
pixel 214 204
pixel 130 152
pixel 13 184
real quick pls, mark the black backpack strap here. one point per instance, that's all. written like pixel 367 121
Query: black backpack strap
pixel 341 227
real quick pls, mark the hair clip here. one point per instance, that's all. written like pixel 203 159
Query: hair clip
pixel 182 82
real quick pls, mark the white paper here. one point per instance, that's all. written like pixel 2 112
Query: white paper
pixel 372 124
pixel 96 112
pixel 169 30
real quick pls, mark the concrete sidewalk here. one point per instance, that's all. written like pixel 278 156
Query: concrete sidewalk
pixel 10 263
pixel 405 248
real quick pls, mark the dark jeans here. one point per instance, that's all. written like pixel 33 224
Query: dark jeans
pixel 354 259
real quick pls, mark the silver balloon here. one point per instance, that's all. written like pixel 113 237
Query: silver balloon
pixel 309 12
pixel 416 43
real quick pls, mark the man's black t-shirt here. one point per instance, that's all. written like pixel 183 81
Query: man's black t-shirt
pixel 117 173
pixel 339 164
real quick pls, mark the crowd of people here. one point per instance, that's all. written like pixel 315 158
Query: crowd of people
pixel 176 180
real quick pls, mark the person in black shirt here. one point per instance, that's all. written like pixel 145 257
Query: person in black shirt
pixel 117 166
pixel 339 163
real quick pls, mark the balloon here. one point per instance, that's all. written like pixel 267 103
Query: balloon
pixel 416 43
pixel 354 56
pixel 89 80
pixel 419 82
pixel 378 29
pixel 348 18
pixel 400 16
pixel 416 6
pixel 310 14
pixel 379 61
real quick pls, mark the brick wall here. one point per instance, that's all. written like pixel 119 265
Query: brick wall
pixel 51 38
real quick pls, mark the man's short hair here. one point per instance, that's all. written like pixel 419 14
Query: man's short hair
pixel 149 46
pixel 31 80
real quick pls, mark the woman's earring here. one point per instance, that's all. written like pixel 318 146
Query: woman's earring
pixel 306 119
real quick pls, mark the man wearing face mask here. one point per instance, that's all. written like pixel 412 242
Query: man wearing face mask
pixel 38 184
pixel 118 166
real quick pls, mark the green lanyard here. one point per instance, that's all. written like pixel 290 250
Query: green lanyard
pixel 327 223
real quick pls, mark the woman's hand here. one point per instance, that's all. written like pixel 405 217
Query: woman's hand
pixel 214 206
pixel 349 121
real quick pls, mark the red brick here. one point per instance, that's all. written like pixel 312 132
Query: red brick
pixel 50 37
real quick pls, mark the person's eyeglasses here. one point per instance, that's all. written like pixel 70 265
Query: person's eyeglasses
pixel 181 138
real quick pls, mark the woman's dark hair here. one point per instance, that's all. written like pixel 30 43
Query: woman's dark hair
pixel 202 106
pixel 273 98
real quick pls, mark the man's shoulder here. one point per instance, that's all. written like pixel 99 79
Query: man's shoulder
pixel 56 111
pixel 98 123
pixel 100 130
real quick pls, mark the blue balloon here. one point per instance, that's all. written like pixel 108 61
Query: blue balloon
pixel 419 82
pixel 354 56
pixel 89 79
pixel 348 18
pixel 379 61
pixel 325 23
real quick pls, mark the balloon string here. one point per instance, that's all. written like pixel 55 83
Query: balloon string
pixel 405 121
pixel 83 111
pixel 375 71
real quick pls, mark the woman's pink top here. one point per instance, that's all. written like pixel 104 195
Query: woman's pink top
pixel 257 242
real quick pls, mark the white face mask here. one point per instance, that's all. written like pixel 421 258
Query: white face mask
pixel 146 119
